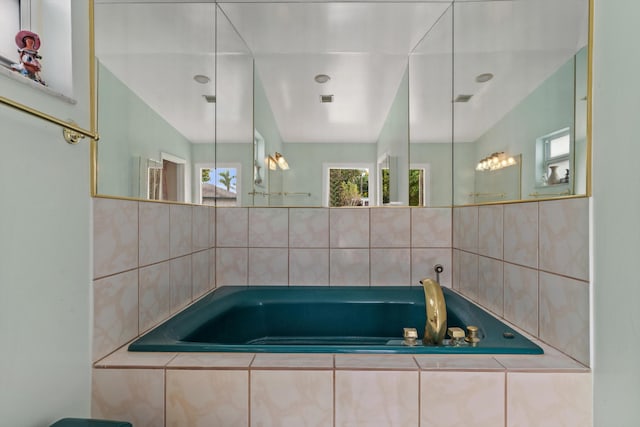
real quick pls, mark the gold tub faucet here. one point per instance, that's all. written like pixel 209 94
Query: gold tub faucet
pixel 436 310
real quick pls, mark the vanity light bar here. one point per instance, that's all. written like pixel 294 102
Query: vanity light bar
pixel 495 161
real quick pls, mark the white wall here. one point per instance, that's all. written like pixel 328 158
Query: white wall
pixel 45 253
pixel 616 213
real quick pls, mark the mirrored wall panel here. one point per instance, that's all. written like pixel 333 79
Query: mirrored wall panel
pixel 434 103
pixel 156 74
pixel 520 100
pixel 331 100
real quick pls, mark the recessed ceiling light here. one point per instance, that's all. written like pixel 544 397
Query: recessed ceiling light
pixel 201 78
pixel 484 77
pixel 322 78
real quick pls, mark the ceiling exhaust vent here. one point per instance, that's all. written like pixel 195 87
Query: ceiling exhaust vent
pixel 463 98
pixel 211 99
pixel 326 98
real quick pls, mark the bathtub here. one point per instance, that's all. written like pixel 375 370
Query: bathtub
pixel 344 319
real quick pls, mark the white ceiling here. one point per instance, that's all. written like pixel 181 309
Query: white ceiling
pixel 156 49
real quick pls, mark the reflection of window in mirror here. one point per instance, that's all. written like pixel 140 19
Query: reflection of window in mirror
pixel 418 185
pixel 348 187
pixel 384 172
pixel 419 177
pixel 220 185
pixel 150 179
pixel 154 182
pixel 555 165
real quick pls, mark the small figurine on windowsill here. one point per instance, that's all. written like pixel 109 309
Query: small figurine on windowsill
pixel 28 44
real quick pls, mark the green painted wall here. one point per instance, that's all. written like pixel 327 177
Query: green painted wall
pixel 45 252
pixel 130 131
pixel 616 214
pixel 549 108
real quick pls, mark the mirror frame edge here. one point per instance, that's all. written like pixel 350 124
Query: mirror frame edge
pixel 589 99
pixel 93 104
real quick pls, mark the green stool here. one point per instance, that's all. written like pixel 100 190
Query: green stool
pixel 85 422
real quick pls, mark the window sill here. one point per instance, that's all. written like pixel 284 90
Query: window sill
pixel 24 80
pixel 558 185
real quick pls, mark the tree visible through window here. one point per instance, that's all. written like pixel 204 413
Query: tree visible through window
pixel 219 186
pixel 416 187
pixel 348 187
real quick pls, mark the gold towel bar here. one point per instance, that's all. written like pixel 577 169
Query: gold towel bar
pixel 487 194
pixel 279 193
pixel 561 193
pixel 71 133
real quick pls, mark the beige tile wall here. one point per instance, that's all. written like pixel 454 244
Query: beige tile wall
pixel 325 390
pixel 527 263
pixel 535 272
pixel 152 259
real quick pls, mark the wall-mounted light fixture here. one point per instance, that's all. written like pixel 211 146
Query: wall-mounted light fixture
pixel 281 161
pixel 276 161
pixel 271 163
pixel 495 161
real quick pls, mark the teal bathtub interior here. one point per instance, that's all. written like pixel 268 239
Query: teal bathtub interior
pixel 344 319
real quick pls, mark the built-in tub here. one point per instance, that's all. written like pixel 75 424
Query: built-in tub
pixel 341 319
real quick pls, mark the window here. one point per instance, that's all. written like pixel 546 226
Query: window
pixel 51 20
pixel 556 156
pixel 220 185
pixel 10 24
pixel 359 178
pixel 418 185
pixel 348 187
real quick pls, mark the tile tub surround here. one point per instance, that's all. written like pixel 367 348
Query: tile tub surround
pixel 536 273
pixel 195 389
pixel 150 261
pixel 153 259
pixel 133 289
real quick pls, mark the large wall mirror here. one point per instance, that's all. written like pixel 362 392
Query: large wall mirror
pixel 430 103
pixel 520 100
